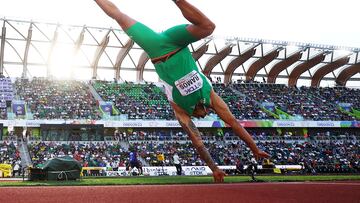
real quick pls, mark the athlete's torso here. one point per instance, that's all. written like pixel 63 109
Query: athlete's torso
pixel 185 84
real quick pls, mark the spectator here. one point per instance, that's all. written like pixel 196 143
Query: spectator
pixel 16 169
pixel 134 162
pixel 177 164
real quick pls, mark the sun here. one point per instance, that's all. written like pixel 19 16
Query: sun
pixel 62 61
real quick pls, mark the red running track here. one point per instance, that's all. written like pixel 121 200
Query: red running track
pixel 344 192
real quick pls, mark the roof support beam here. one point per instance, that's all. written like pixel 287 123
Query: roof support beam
pixel 238 61
pixel 121 56
pixel 328 68
pixel 2 48
pixel 26 53
pixel 301 68
pixel 144 58
pixel 99 51
pixel 78 44
pixel 282 65
pixel 213 61
pixel 261 63
pixel 53 43
pixel 347 73
pixel 199 52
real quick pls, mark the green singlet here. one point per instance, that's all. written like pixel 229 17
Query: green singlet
pixel 184 83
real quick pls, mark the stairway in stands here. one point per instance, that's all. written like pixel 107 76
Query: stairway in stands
pixel 95 94
pixel 24 154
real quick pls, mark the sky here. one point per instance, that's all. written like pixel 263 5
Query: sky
pixel 326 22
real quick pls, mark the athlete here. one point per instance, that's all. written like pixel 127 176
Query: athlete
pixel 189 92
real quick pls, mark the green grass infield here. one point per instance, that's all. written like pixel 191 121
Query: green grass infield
pixel 164 180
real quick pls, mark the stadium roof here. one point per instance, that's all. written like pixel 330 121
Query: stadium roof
pixel 30 49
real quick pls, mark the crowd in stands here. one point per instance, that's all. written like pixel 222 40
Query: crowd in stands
pixel 137 101
pixel 243 107
pixel 317 151
pixel 53 99
pixel 320 153
pixel 244 100
pixel 49 99
pixel 338 95
pixel 9 153
pixel 307 102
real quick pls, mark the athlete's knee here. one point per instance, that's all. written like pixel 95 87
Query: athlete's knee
pixel 198 144
pixel 232 121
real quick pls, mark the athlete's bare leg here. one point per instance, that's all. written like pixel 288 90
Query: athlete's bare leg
pixel 201 25
pixel 112 11
pixel 222 110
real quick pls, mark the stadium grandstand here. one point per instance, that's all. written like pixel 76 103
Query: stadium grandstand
pixel 92 93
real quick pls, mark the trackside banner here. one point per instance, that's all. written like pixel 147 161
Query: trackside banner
pixel 187 170
pixel 200 124
pixel 169 170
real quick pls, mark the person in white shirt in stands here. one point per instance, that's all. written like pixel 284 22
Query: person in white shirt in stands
pixel 177 163
pixel 16 169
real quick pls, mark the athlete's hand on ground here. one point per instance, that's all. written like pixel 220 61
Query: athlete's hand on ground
pixel 260 154
pixel 219 176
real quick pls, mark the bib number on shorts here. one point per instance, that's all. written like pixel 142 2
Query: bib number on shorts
pixel 189 83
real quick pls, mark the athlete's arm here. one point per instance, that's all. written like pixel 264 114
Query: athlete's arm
pixel 109 8
pixel 223 111
pixel 112 11
pixel 194 135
